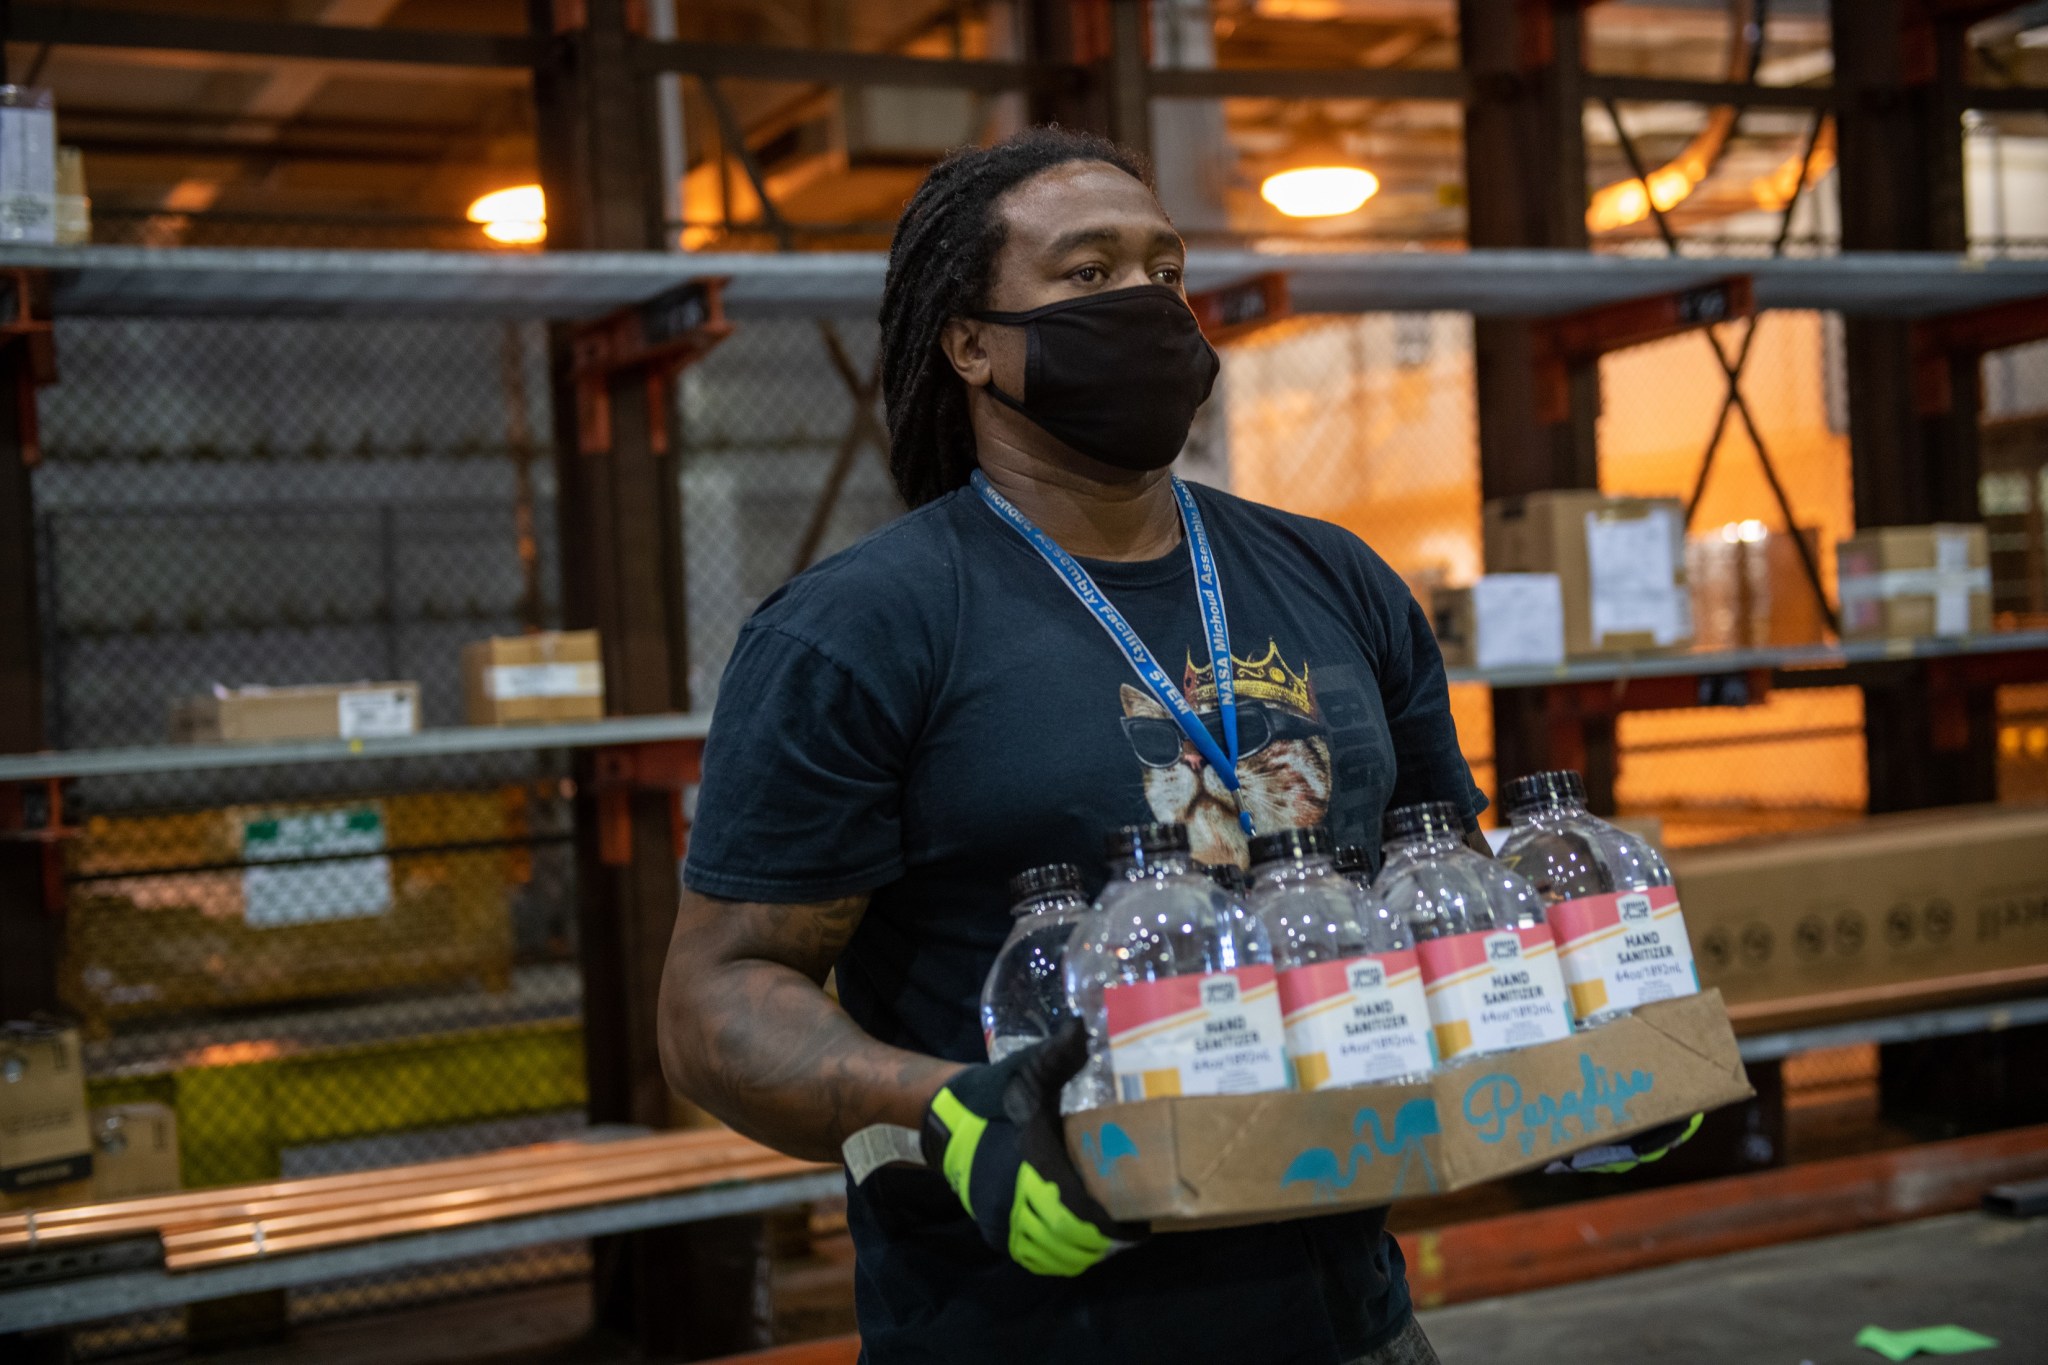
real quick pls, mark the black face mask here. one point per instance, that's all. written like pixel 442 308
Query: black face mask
pixel 1117 376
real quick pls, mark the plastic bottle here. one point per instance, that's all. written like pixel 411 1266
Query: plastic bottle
pixel 1489 964
pixel 1174 980
pixel 1024 998
pixel 1621 938
pixel 1350 984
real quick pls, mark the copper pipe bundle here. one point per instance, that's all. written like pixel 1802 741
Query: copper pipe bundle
pixel 278 1217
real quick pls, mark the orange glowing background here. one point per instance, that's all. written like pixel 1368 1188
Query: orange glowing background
pixel 1369 422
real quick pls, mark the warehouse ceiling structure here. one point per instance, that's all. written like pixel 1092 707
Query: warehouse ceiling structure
pixel 293 129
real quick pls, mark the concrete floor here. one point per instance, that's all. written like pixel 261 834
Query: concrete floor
pixel 1803 1302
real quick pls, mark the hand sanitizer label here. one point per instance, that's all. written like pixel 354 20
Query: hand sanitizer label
pixel 1493 990
pixel 1356 1020
pixel 1216 1033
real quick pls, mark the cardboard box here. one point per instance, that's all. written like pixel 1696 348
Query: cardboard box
pixel 1212 1160
pixel 1505 620
pixel 44 1140
pixel 1749 589
pixel 1910 581
pixel 1889 908
pixel 135 1151
pixel 534 679
pixel 289 900
pixel 326 711
pixel 1620 561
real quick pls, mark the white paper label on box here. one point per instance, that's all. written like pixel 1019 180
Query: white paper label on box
pixel 335 887
pixel 1357 1020
pixel 1950 587
pixel 1631 575
pixel 1623 949
pixel 1518 620
pixel 514 682
pixel 1494 989
pixel 377 713
pixel 28 173
pixel 1212 1033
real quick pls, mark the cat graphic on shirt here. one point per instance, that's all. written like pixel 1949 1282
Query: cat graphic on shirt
pixel 1285 781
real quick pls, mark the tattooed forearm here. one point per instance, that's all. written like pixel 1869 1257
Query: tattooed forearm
pixel 748 1032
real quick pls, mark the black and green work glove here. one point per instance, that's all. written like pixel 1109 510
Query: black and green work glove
pixel 1619 1158
pixel 995 1134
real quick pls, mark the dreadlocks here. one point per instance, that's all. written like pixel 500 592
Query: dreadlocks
pixel 939 267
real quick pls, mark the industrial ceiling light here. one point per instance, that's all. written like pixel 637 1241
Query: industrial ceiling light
pixel 517 216
pixel 1319 179
pixel 1319 191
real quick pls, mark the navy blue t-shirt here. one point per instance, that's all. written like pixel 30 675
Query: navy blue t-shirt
pixel 932 711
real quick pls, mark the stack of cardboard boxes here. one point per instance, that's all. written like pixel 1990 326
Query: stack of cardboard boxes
pixel 55 1152
pixel 1571 574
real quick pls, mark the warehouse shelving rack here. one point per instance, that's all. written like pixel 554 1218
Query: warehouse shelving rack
pixel 632 760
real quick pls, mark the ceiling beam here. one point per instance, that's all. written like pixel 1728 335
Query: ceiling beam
pixel 72 26
pixel 1329 83
pixel 768 62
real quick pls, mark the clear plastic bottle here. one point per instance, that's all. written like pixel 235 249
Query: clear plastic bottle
pixel 1173 979
pixel 1620 935
pixel 1024 998
pixel 1350 984
pixel 1489 964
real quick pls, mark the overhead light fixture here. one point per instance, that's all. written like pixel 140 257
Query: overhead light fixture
pixel 1319 178
pixel 1319 191
pixel 517 216
pixel 1629 201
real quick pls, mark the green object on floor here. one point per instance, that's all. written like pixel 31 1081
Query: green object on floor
pixel 1948 1340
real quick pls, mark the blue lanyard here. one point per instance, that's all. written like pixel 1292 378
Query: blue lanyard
pixel 1208 593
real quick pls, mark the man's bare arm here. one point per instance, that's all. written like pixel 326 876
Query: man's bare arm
pixel 748 1032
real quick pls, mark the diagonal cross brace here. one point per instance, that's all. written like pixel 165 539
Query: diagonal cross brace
pixel 1731 371
pixel 863 428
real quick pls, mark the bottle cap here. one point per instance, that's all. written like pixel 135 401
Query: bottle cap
pixel 1036 881
pixel 1424 818
pixel 1229 876
pixel 1352 859
pixel 1139 841
pixel 1290 843
pixel 1560 786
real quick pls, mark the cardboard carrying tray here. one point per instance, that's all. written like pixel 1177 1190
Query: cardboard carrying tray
pixel 1213 1160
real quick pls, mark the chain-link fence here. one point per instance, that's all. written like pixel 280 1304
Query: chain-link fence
pixel 319 967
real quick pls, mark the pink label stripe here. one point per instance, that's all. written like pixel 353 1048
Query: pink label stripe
pixel 1138 1003
pixel 1584 916
pixel 1311 983
pixel 1138 1033
pixel 1144 1008
pixel 1448 962
pixel 1444 957
pixel 1316 1011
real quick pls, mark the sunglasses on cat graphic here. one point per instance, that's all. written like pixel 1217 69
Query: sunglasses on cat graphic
pixel 1157 740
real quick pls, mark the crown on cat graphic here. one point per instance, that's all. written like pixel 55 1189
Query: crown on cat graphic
pixel 1266 679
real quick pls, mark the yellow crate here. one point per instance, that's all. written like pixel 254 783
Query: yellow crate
pixel 217 908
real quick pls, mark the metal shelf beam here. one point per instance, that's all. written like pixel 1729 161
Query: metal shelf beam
pixel 114 281
pixel 473 739
pixel 1896 1028
pixel 1791 658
